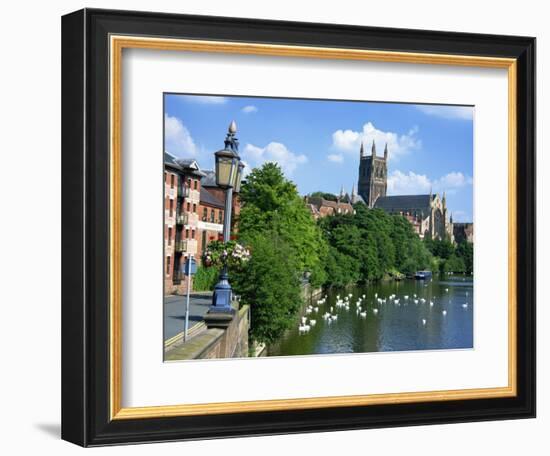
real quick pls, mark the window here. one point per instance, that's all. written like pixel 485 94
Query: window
pixel 192 234
pixel 188 207
pixel 170 236
pixel 187 233
pixel 171 180
pixel 212 215
pixel 204 214
pixel 168 265
pixel 171 207
pixel 204 234
pixel 194 207
pixel 189 182
pixel 220 217
pixel 195 184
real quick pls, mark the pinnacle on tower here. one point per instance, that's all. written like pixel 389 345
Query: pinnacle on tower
pixel 373 149
pixel 342 192
pixel 386 151
pixel 361 150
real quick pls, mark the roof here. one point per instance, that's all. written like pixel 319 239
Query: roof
pixel 209 179
pixel 404 203
pixel 210 200
pixel 170 159
pixel 187 165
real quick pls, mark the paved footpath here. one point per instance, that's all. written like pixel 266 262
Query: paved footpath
pixel 174 311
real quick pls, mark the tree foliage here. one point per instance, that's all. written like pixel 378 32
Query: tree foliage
pixel 285 242
pixel 452 258
pixel 271 203
pixel 370 244
pixel 270 285
pixel 324 195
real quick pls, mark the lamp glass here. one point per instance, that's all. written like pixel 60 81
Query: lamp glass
pixel 224 171
pixel 239 177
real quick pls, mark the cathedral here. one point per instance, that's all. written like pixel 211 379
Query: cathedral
pixel 428 213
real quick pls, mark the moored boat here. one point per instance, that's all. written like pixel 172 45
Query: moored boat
pixel 423 275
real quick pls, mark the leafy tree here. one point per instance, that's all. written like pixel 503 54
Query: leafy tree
pixel 327 196
pixel 205 278
pixel 465 250
pixel 270 284
pixel 453 264
pixel 271 203
pixel 341 269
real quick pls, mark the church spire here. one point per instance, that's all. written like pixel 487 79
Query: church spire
pixel 386 151
pixel 342 192
pixel 373 149
pixel 444 200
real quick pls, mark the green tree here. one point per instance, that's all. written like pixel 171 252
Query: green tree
pixel 453 264
pixel 206 278
pixel 327 196
pixel 465 250
pixel 270 284
pixel 271 203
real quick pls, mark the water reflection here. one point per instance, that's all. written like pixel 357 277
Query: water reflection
pixel 438 314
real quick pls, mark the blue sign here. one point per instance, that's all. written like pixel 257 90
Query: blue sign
pixel 190 267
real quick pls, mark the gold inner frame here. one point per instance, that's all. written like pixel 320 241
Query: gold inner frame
pixel 117 44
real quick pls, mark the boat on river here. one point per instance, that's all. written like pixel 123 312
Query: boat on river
pixel 423 275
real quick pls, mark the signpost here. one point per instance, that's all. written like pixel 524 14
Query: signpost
pixel 189 269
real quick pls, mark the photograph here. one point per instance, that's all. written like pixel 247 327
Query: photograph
pixel 315 226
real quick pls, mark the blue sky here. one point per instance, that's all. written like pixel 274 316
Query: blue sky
pixel 316 142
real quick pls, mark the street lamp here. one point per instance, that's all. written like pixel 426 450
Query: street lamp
pixel 228 175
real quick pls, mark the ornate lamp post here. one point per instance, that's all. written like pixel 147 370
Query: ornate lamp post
pixel 228 176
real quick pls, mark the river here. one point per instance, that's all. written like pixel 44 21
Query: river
pixel 409 324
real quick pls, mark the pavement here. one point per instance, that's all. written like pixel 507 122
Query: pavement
pixel 174 311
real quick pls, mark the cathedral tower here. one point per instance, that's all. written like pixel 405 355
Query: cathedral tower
pixel 373 175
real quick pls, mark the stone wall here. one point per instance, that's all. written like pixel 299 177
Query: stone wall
pixel 213 343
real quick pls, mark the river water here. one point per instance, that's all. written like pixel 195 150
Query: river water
pixel 406 325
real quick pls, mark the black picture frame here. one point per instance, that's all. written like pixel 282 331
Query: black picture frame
pixel 85 227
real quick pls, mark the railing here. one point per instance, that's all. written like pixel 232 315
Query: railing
pixel 182 219
pixel 181 246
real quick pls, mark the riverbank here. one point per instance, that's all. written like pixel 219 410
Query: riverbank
pixel 433 314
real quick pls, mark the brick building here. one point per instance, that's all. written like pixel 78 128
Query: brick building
pixel 181 218
pixel 463 232
pixel 211 211
pixel 193 217
pixel 321 207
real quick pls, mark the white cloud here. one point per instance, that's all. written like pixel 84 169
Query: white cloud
pixel 177 138
pixel 336 158
pixel 453 180
pixel 274 152
pixel 204 99
pixel 398 145
pixel 448 112
pixel 410 183
pixel 250 109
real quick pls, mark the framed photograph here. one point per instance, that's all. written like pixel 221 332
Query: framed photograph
pixel 278 227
